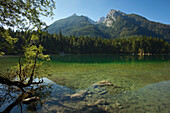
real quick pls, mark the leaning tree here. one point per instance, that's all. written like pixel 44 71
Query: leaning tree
pixel 23 15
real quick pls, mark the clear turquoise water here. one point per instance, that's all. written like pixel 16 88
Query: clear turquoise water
pixel 128 71
pixel 139 78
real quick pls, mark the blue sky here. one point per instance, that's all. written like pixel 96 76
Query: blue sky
pixel 154 10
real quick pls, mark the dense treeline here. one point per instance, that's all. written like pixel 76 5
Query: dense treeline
pixel 57 43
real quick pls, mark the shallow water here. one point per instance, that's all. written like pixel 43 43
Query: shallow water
pixel 81 71
pixel 129 72
pixel 139 82
pixel 153 98
pixel 57 91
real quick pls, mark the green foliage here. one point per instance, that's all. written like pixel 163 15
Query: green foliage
pixel 24 13
pixel 32 60
pixel 57 43
pixel 21 15
pixel 8 38
pixel 33 51
pixel 2 53
pixel 34 37
pixel 7 42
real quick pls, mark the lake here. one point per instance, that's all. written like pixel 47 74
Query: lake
pixel 131 75
pixel 129 72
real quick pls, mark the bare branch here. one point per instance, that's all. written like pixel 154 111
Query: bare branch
pixel 18 101
pixel 20 68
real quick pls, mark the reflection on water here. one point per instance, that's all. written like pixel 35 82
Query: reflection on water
pixel 119 69
pixel 44 92
pixel 153 98
pixel 107 58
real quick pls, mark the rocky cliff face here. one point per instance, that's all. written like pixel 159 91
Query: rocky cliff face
pixel 116 24
pixel 112 16
pixel 101 19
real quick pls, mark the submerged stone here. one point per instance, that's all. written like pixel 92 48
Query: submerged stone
pixel 153 98
pixel 104 83
pixel 79 95
pixel 101 102
pixel 103 92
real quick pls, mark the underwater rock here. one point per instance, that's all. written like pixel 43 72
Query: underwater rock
pixel 153 98
pixel 95 86
pixel 104 83
pixel 103 92
pixel 76 96
pixel 101 102
pixel 79 95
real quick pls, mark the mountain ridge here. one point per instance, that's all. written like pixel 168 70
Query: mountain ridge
pixel 115 25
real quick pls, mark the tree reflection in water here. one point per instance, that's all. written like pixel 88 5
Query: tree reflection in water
pixel 33 97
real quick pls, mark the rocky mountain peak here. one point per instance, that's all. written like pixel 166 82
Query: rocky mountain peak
pixel 74 14
pixel 101 19
pixel 111 17
pixel 116 24
pixel 115 12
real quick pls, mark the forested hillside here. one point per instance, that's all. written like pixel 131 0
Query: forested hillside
pixel 57 43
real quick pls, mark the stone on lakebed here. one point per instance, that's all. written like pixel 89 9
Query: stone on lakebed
pixel 79 95
pixel 104 83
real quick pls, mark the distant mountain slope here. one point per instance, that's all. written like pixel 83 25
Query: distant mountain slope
pixel 77 25
pixel 116 24
pixel 71 23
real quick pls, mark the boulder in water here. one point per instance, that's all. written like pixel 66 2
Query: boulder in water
pixel 104 83
pixel 79 95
